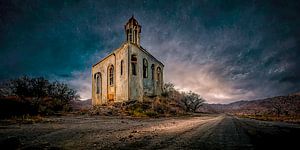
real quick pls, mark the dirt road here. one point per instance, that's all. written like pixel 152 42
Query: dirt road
pixel 198 132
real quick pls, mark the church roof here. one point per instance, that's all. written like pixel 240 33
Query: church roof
pixel 145 51
pixel 133 21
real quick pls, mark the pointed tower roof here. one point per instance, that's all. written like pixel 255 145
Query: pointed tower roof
pixel 132 21
pixel 132 31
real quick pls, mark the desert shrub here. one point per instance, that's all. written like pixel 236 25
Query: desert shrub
pixel 136 108
pixel 151 114
pixel 154 107
pixel 10 106
pixel 149 107
pixel 189 101
pixel 169 104
pixel 169 90
pixel 37 96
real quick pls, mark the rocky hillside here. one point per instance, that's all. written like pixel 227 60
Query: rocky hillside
pixel 82 104
pixel 279 105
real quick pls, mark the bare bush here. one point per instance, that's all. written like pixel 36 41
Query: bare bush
pixel 169 90
pixel 191 101
pixel 44 96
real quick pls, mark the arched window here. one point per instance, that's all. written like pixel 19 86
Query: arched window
pixel 130 35
pixel 97 78
pixel 158 75
pixel 145 68
pixel 111 75
pixel 152 71
pixel 127 31
pixel 122 66
pixel 133 64
pixel 135 37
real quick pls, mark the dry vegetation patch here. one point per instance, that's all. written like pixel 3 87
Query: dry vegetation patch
pixel 150 107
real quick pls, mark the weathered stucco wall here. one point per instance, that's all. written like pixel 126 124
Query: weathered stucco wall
pixel 126 85
pixel 119 88
pixel 138 85
pixel 102 67
pixel 122 79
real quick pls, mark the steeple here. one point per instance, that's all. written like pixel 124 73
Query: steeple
pixel 133 30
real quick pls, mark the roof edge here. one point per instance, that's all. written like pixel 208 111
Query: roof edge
pixel 122 45
pixel 146 52
pixel 111 53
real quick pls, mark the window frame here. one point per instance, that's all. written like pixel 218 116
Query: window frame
pixel 111 73
pixel 158 73
pixel 122 67
pixel 133 60
pixel 98 82
pixel 152 71
pixel 145 68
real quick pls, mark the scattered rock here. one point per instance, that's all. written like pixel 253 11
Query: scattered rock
pixel 134 131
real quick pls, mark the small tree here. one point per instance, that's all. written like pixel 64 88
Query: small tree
pixel 191 101
pixel 62 95
pixel 169 90
pixel 21 87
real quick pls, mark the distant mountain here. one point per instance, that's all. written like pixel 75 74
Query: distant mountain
pixel 284 105
pixel 280 104
pixel 82 104
pixel 297 93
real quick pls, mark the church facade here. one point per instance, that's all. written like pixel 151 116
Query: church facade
pixel 128 73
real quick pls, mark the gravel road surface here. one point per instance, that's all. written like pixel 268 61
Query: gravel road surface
pixel 194 132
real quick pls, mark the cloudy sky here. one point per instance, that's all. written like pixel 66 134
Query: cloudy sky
pixel 224 50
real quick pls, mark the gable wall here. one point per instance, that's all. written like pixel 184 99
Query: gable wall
pixel 140 86
pixel 120 88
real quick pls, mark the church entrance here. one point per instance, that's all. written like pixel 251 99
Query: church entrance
pixel 111 97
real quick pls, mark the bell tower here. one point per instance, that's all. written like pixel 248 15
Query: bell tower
pixel 133 30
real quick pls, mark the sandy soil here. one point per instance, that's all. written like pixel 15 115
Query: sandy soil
pixel 195 132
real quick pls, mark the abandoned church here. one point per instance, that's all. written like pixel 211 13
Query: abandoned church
pixel 128 73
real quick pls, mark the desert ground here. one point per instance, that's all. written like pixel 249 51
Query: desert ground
pixel 188 132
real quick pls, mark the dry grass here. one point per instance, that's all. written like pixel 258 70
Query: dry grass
pixel 150 107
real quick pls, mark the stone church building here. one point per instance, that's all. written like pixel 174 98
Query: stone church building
pixel 128 73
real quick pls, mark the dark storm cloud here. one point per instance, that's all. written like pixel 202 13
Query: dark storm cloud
pixel 223 50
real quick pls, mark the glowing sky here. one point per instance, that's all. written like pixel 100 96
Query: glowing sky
pixel 222 49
